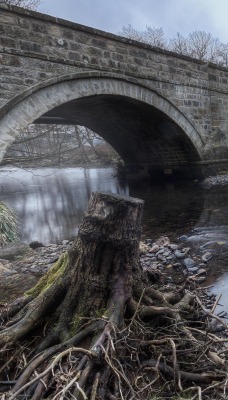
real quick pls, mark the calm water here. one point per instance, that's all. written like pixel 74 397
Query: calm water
pixel 50 203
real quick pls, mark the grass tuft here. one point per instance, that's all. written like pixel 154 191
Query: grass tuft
pixel 8 225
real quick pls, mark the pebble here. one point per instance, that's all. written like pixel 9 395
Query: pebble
pixel 154 248
pixel 155 256
pixel 189 263
pixel 179 254
pixel 183 238
pixel 193 270
pixel 173 246
pixel 40 261
pixel 206 256
pixel 201 271
pixel 176 265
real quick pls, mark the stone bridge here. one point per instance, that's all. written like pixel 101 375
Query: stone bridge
pixel 163 113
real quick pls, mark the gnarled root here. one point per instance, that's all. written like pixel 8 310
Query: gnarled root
pixel 94 328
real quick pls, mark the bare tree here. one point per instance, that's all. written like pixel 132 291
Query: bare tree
pixel 53 145
pixel 131 33
pixel 151 35
pixel 198 44
pixel 155 37
pixel 179 44
pixel 30 4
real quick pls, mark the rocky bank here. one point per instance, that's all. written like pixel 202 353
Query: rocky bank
pixel 22 265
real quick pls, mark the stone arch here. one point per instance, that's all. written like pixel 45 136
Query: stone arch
pixel 39 100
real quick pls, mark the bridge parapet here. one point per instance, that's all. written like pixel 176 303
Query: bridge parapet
pixel 37 50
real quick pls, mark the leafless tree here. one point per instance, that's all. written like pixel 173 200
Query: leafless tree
pixel 30 4
pixel 151 35
pixel 179 44
pixel 53 145
pixel 198 44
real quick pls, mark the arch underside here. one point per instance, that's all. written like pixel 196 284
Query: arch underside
pixel 148 132
pixel 146 139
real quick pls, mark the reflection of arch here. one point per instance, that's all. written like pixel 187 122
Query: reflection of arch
pixel 38 100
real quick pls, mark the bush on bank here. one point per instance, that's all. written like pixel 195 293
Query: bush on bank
pixel 8 225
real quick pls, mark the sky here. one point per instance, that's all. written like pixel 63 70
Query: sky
pixel 183 16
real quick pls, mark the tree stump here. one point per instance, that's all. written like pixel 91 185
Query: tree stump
pixel 94 327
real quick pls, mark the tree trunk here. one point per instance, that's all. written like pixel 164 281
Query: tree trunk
pixel 98 297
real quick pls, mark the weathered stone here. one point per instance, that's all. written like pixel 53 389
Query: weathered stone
pixel 47 62
pixel 154 248
pixel 201 271
pixel 206 256
pixel 193 270
pixel 173 246
pixel 189 263
pixel 178 254
pixel 9 252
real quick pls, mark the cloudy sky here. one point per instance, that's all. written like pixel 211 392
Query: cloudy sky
pixel 173 16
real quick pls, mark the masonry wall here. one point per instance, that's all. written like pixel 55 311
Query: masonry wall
pixel 35 48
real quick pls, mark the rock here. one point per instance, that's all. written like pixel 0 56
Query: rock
pixel 173 246
pixel 53 260
pixel 11 251
pixel 150 255
pixel 9 272
pixel 29 260
pixel 143 248
pixel 161 258
pixel 189 263
pixel 193 270
pixel 3 261
pixel 176 265
pixel 161 251
pixel 154 249
pixel 35 245
pixel 183 238
pixel 185 250
pixel 163 241
pixel 65 242
pixel 178 254
pixel 201 271
pixel 35 268
pixel 206 256
pixel 199 279
pixel 154 265
pixel 215 326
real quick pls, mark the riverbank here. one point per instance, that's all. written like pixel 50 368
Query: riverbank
pixel 165 263
pixel 215 180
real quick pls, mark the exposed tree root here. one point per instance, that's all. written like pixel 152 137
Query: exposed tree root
pixel 94 327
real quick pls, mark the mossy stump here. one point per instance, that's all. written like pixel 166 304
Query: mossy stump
pixel 94 327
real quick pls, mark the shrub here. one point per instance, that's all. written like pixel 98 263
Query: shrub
pixel 8 225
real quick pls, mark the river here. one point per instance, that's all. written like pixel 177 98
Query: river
pixel 50 202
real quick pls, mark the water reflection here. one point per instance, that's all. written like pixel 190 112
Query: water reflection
pixel 50 202
pixel 170 209
pixel 213 222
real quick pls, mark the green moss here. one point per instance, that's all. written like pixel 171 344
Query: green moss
pixel 76 323
pixel 101 313
pixel 51 276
